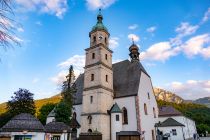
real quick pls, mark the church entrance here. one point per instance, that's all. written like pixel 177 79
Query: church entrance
pixel 128 135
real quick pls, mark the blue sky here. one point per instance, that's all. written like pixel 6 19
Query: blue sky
pixel 173 36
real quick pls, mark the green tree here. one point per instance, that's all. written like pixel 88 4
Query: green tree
pixel 22 102
pixel 63 110
pixel 44 111
pixel 4 118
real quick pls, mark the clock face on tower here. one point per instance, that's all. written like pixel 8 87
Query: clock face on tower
pixel 100 37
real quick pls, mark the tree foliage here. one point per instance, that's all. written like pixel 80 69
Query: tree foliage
pixel 4 118
pixel 44 111
pixel 63 110
pixel 7 25
pixel 22 102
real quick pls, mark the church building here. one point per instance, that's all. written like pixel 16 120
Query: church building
pixel 116 100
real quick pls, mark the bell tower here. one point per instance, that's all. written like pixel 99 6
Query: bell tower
pixel 98 82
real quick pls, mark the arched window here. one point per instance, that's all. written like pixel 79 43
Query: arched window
pixel 89 130
pixel 74 115
pixel 154 113
pixel 89 119
pixel 145 109
pixel 125 116
pixel 148 95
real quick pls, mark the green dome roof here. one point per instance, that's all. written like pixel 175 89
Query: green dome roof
pixel 99 25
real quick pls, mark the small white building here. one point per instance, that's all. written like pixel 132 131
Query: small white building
pixel 24 126
pixel 175 123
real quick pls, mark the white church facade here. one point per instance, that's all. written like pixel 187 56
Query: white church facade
pixel 114 99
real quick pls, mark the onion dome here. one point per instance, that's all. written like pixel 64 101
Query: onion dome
pixel 134 52
pixel 99 25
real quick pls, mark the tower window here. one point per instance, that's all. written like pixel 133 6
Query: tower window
pixel 117 117
pixel 92 77
pixel 148 95
pixel 94 38
pixel 145 109
pixel 154 113
pixel 125 116
pixel 91 99
pixel 89 119
pixel 153 135
pixel 105 40
pixel 93 55
pixel 106 78
pixel 106 56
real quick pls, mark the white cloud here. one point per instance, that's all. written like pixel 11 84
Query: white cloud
pixel 54 7
pixel 206 15
pixel 151 29
pixel 133 37
pixel 20 29
pixel 78 62
pixel 96 4
pixel 60 77
pixel 191 89
pixel 35 80
pixel 113 42
pixel 185 29
pixel 38 23
pixel 196 46
pixel 133 27
pixel 159 52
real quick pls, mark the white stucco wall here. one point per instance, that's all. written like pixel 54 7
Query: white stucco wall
pixel 50 119
pixel 190 127
pixel 129 104
pixel 147 121
pixel 116 126
pixel 35 135
pixel 78 110
pixel 179 132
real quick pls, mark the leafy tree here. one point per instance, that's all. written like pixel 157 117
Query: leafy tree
pixel 22 102
pixel 7 25
pixel 4 118
pixel 44 111
pixel 63 110
pixel 202 128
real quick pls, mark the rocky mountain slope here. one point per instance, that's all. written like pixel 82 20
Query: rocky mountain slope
pixel 167 96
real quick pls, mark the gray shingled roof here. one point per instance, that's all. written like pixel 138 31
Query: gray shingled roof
pixel 115 109
pixel 126 78
pixel 23 122
pixel 169 122
pixel 165 111
pixel 56 127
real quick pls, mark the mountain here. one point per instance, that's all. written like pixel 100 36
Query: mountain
pixel 205 101
pixel 167 96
